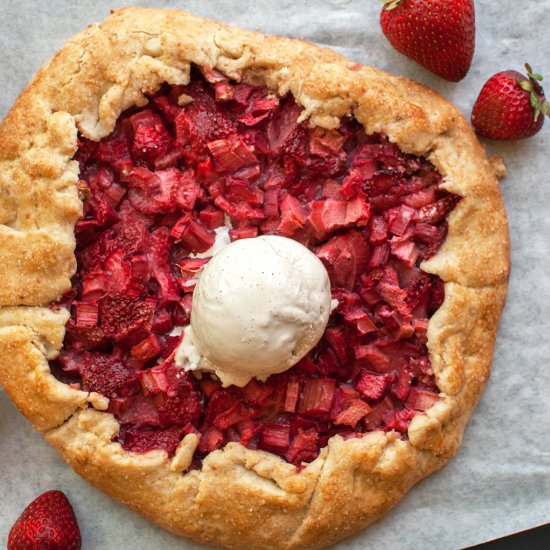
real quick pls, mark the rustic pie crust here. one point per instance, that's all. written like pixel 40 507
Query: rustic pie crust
pixel 240 498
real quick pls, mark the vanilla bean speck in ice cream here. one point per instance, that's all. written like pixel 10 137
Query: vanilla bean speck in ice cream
pixel 259 306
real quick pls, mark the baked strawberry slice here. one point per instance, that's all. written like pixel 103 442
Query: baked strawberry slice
pixel 151 138
pixel 107 374
pixel 122 315
pixel 145 440
pixel 48 523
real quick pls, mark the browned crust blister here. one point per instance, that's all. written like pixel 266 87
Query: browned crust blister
pixel 240 498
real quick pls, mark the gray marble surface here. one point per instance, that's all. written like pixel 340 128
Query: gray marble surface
pixel 499 482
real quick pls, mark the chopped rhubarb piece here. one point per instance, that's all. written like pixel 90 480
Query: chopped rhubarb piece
pixel 389 290
pixel 211 217
pixel 437 211
pixel 337 339
pixel 292 396
pixel 373 357
pixel 159 254
pixel 324 142
pixel 247 431
pixel 404 250
pixel 421 400
pixel 402 221
pixel 271 203
pixel 293 216
pixel 303 447
pixel 402 384
pixel 208 386
pixel 361 320
pixel 355 411
pixel 379 256
pixel 377 230
pixel 211 440
pixel 257 393
pixel 424 232
pixel 162 323
pixel 243 233
pixel 398 420
pixel 330 214
pixel 260 107
pixel 344 256
pixel 87 315
pixel 420 198
pixel 153 380
pixel 231 154
pixel 146 349
pixel 373 386
pixel 274 438
pixel 192 234
pixel 317 396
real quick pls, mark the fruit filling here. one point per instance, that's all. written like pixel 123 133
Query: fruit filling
pixel 214 156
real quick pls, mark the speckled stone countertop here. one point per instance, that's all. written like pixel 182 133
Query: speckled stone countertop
pixel 499 482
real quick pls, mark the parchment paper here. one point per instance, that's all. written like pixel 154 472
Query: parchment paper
pixel 500 480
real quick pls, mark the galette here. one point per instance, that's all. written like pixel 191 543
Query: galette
pixel 250 289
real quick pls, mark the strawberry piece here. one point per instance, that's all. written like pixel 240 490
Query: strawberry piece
pixel 201 121
pixel 122 315
pixel 414 26
pixel 151 138
pixel 143 441
pixel 48 522
pixel 510 106
pixel 180 409
pixel 106 374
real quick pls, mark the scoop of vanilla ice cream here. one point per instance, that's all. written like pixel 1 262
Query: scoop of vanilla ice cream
pixel 259 306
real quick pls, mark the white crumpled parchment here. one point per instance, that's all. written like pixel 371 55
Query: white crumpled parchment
pixel 499 482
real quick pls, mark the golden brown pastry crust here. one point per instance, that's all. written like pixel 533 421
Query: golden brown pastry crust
pixel 240 498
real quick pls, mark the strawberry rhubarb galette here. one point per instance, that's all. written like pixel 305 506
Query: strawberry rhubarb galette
pixel 250 288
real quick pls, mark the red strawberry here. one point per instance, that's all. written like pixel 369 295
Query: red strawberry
pixel 440 34
pixel 47 523
pixel 510 106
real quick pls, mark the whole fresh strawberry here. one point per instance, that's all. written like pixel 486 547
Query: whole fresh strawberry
pixel 510 106
pixel 438 34
pixel 47 523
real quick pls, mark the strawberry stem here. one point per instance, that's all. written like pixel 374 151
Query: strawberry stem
pixel 391 4
pixel 536 93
